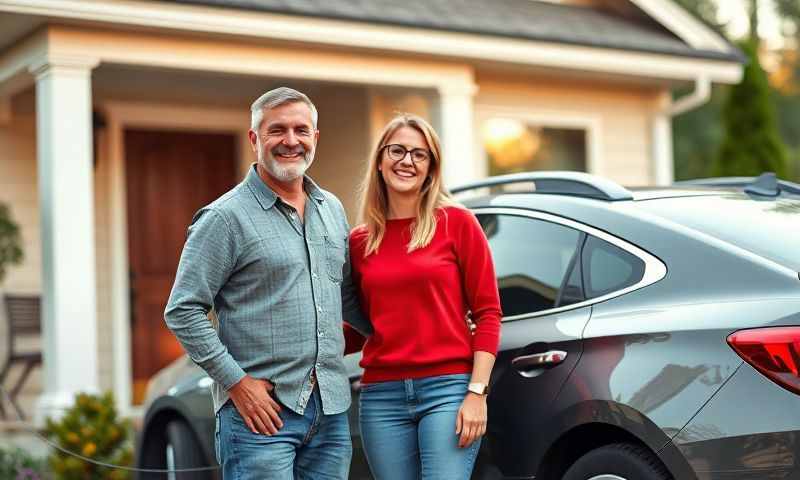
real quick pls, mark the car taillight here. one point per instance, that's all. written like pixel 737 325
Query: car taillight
pixel 773 351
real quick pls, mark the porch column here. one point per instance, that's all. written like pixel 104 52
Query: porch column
pixel 663 163
pixel 66 197
pixel 457 125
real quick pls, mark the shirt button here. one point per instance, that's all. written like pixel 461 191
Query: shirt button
pixel 319 366
pixel 321 333
pixel 313 275
pixel 319 309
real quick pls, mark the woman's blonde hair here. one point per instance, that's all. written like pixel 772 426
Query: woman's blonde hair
pixel 375 200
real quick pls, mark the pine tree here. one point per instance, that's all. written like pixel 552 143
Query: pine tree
pixel 752 144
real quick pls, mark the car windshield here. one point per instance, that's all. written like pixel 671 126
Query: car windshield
pixel 769 228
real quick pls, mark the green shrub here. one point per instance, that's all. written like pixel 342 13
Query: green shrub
pixel 10 243
pixel 92 429
pixel 16 464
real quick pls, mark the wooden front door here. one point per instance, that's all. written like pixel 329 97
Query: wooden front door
pixel 170 176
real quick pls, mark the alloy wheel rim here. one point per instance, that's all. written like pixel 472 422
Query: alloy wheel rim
pixel 170 462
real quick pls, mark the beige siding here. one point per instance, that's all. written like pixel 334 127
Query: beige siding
pixel 622 113
pixel 344 143
pixel 18 190
pixel 103 215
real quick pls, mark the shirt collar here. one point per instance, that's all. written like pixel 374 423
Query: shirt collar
pixel 267 198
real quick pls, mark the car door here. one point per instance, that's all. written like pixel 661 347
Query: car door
pixel 537 260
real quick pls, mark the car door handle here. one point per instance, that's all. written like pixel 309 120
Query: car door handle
pixel 525 363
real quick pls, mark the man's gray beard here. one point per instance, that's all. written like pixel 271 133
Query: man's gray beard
pixel 287 173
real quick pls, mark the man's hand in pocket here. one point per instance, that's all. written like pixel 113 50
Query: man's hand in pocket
pixel 258 409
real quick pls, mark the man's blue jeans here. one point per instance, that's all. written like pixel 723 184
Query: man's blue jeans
pixel 408 428
pixel 310 446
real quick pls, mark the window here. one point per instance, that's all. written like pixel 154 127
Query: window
pixel 532 261
pixel 608 268
pixel 514 146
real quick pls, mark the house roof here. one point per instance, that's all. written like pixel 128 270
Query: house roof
pixel 523 19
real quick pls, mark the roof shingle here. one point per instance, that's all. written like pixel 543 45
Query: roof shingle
pixel 525 19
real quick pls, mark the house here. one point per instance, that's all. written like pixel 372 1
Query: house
pixel 118 119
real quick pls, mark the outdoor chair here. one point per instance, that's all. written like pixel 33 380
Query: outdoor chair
pixel 24 320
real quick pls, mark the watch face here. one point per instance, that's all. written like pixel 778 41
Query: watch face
pixel 478 388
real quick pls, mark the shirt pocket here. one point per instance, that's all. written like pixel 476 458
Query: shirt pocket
pixel 334 257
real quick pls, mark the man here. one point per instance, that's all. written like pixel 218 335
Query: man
pixel 270 257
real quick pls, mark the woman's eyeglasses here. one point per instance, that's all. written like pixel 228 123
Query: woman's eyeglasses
pixel 398 152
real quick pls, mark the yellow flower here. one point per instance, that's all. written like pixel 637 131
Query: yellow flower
pixel 89 449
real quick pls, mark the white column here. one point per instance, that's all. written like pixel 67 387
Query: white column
pixel 663 162
pixel 661 138
pixel 457 131
pixel 65 166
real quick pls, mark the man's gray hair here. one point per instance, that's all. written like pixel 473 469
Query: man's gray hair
pixel 275 98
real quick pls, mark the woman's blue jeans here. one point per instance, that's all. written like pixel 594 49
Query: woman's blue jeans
pixel 408 429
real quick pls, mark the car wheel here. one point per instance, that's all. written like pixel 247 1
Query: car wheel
pixel 618 461
pixel 183 451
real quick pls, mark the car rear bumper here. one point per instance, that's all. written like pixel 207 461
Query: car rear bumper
pixel 749 430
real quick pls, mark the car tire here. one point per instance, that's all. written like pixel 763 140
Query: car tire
pixel 186 451
pixel 618 461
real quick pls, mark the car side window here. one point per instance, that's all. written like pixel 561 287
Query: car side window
pixel 608 268
pixel 532 259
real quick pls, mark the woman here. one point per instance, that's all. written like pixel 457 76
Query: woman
pixel 421 263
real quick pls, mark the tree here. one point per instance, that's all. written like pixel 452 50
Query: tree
pixel 697 134
pixel 789 11
pixel 752 144
pixel 705 10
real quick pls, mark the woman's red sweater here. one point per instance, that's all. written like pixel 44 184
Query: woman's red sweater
pixel 418 302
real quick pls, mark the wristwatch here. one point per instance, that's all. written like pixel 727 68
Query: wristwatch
pixel 478 388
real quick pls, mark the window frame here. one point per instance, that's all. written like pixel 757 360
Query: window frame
pixel 548 118
pixel 654 268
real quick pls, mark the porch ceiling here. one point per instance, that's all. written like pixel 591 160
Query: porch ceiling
pixel 13 27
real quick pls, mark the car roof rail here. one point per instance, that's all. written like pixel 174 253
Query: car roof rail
pixel 577 184
pixel 766 184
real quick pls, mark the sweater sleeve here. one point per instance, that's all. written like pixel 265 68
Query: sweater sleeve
pixel 478 280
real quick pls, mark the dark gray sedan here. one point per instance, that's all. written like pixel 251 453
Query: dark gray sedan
pixel 649 334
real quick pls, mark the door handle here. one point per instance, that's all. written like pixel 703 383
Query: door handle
pixel 527 365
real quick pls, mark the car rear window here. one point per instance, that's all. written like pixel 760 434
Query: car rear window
pixel 769 228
